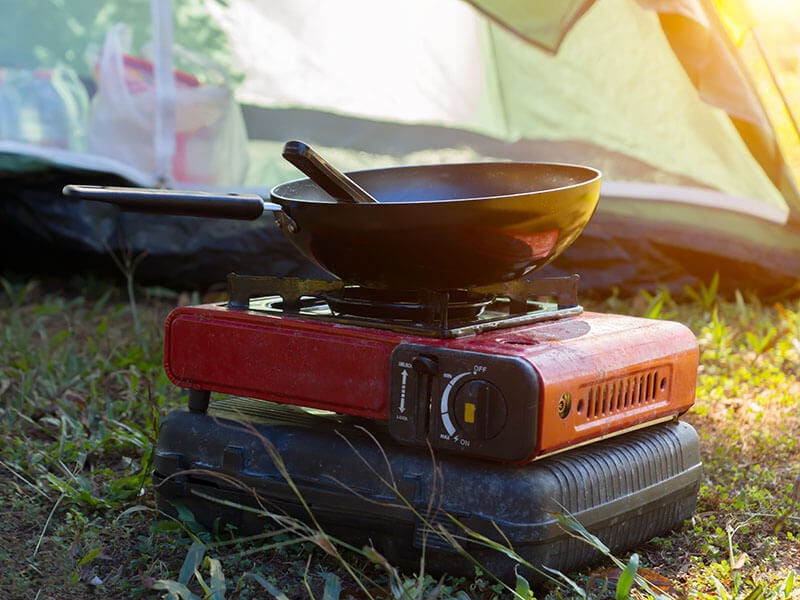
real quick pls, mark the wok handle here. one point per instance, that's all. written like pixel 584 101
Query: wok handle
pixel 325 175
pixel 245 207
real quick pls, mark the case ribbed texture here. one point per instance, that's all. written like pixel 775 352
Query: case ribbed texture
pixel 624 490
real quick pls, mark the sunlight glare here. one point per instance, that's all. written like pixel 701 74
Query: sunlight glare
pixel 776 8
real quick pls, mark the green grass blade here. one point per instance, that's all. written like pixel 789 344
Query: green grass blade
pixel 192 561
pixel 570 523
pixel 566 581
pixel 217 579
pixel 788 585
pixel 627 578
pixel 333 587
pixel 757 593
pixel 523 588
pixel 262 581
pixel 175 590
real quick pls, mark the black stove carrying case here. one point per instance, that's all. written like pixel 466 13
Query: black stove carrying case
pixel 352 475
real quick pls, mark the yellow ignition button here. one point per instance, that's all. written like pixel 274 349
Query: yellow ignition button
pixel 469 412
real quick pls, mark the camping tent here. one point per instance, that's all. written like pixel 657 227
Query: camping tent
pixel 655 93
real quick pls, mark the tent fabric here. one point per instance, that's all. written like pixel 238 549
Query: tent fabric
pixel 633 98
pixel 696 33
pixel 544 24
pixel 652 92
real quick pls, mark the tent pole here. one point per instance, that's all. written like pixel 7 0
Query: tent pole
pixel 164 135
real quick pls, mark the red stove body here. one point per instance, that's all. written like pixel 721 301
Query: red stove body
pixel 507 393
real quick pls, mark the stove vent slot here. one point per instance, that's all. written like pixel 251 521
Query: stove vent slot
pixel 624 393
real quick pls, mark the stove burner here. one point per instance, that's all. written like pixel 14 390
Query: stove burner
pixel 421 306
pixel 434 313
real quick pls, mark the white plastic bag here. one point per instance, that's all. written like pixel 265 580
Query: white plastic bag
pixel 210 139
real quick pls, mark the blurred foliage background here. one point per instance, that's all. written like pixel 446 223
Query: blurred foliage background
pixel 70 32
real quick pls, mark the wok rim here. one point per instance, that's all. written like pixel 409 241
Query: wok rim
pixel 596 178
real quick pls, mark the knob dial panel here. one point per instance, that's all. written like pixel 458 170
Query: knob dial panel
pixel 466 402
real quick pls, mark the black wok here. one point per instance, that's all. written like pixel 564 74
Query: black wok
pixel 435 226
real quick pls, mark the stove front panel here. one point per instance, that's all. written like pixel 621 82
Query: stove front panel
pixel 277 359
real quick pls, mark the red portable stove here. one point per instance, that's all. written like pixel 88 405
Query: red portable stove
pixel 494 373
pixel 416 388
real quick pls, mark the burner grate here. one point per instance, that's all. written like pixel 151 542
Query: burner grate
pixel 433 313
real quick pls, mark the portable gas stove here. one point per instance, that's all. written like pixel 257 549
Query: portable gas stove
pixel 492 373
pixel 474 401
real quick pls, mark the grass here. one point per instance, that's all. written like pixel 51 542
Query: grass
pixel 743 537
pixel 82 390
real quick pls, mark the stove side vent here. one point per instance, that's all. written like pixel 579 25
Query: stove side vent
pixel 621 394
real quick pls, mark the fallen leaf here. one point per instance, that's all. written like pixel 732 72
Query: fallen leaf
pixel 650 576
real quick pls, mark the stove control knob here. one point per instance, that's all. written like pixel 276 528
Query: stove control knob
pixel 425 365
pixel 479 409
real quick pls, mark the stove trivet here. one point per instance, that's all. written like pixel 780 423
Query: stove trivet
pixel 433 313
